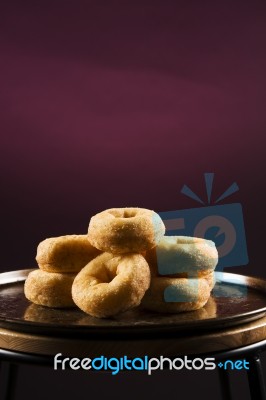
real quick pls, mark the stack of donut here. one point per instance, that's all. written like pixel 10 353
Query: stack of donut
pixel 124 261
pixel 59 260
pixel 117 279
pixel 182 270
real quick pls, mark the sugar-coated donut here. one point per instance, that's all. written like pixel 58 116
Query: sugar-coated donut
pixel 65 254
pixel 209 276
pixel 172 295
pixel 50 289
pixel 111 284
pixel 178 254
pixel 125 230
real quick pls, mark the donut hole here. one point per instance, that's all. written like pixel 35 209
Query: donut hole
pixel 105 275
pixel 123 213
pixel 129 213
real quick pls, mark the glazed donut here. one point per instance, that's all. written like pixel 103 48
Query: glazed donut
pixel 50 289
pixel 179 254
pixel 65 254
pixel 125 230
pixel 173 295
pixel 111 284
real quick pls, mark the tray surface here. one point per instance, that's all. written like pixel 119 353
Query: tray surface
pixel 235 299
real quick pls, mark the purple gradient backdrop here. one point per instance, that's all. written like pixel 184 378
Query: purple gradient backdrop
pixel 115 103
pixel 108 104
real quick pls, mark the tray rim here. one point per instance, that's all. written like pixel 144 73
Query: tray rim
pixel 18 276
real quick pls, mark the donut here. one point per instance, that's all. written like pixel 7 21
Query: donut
pixel 125 230
pixel 182 254
pixel 209 276
pixel 111 284
pixel 173 295
pixel 65 254
pixel 50 289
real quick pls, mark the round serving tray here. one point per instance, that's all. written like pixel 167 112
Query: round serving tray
pixel 235 299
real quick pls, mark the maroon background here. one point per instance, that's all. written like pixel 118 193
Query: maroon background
pixel 108 104
pixel 114 103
